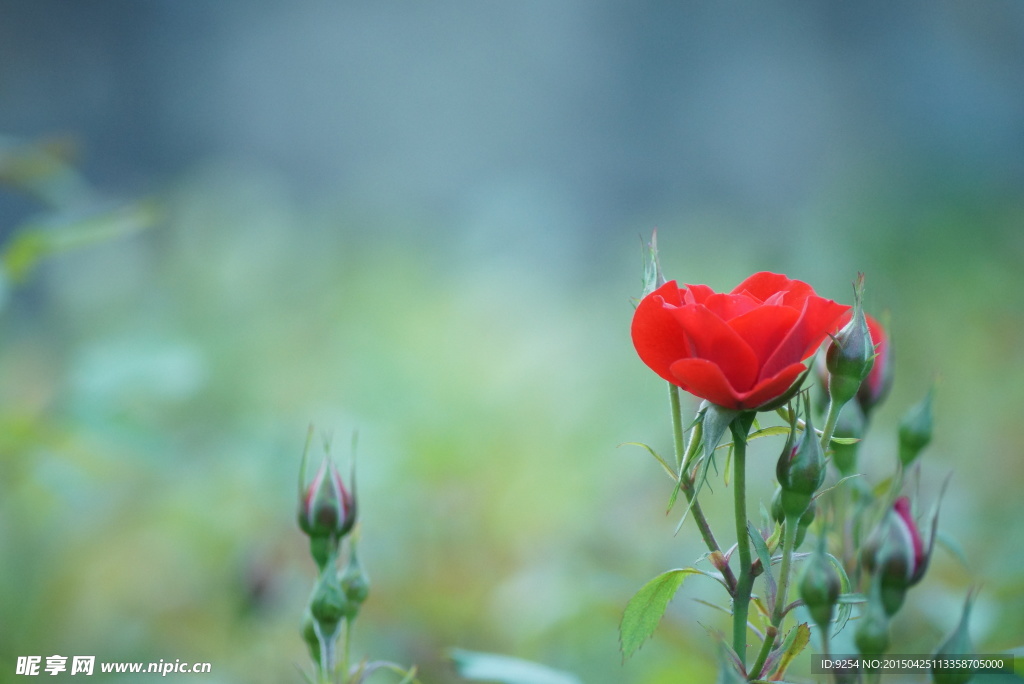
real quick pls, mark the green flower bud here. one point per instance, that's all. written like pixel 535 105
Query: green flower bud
pixel 354 583
pixel 328 605
pixel 957 646
pixel 800 470
pixel 819 586
pixel 872 635
pixel 916 429
pixel 850 356
pixel 310 637
pixel 779 513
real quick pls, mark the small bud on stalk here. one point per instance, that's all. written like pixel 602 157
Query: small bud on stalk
pixel 872 635
pixel 916 429
pixel 800 469
pixel 354 582
pixel 851 354
pixel 819 587
pixel 895 553
pixel 327 509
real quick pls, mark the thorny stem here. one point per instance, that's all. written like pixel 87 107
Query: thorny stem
pixel 683 458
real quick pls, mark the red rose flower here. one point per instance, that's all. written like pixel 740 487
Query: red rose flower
pixel 739 350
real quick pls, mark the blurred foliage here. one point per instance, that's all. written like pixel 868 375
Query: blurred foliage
pixel 155 386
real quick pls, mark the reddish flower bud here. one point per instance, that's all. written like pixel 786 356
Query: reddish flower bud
pixel 895 552
pixel 327 509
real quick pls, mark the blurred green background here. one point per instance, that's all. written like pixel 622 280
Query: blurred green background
pixel 224 221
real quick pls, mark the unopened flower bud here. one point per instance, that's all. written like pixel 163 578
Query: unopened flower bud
pixel 327 509
pixel 851 354
pixel 310 637
pixel 819 587
pixel 955 648
pixel 916 430
pixel 354 582
pixel 800 471
pixel 895 552
pixel 328 605
pixel 872 634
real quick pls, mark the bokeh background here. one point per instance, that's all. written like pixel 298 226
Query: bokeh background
pixel 423 221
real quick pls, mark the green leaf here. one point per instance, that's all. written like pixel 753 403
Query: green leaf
pixel 843 614
pixel 795 642
pixel 769 432
pixel 845 440
pixel 714 421
pixel 491 667
pixel 761 549
pixel 644 610
pixel 664 464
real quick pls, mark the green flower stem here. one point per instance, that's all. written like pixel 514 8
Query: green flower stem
pixel 788 545
pixel 745 583
pixel 830 423
pixel 683 458
pixel 346 649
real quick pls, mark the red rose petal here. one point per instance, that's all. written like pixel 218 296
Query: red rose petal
pixel 773 387
pixel 816 321
pixel 712 339
pixel 765 328
pixel 705 379
pixel 657 336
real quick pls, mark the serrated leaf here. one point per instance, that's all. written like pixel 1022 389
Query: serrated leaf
pixel 796 641
pixel 491 667
pixel 645 609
